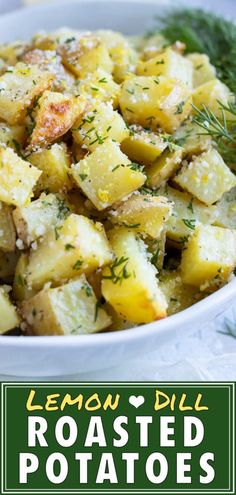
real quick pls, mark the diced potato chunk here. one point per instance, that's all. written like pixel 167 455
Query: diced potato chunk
pixel 143 146
pixel 78 203
pixel 95 280
pixel 125 60
pixel 155 102
pixel 122 54
pixel 50 61
pixel 8 263
pixel 192 139
pixel 130 283
pixel 145 214
pixel 34 220
pixel 152 45
pixel 54 163
pixel 98 125
pixel 99 86
pixel 226 210
pixel 13 136
pixel 107 175
pixel 17 178
pixel 54 39
pixel 187 213
pixel 110 38
pixel 19 88
pixel 168 63
pixel 210 256
pixel 86 55
pixel 179 295
pixel 78 245
pixel 118 323
pixel 21 291
pixel 157 249
pixel 55 115
pixel 209 95
pixel 43 41
pixel 9 317
pixel 164 167
pixel 78 152
pixel 71 309
pixel 207 177
pixel 203 70
pixel 7 229
pixel 10 52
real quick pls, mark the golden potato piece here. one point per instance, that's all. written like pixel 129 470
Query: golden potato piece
pixel 143 146
pixel 187 213
pixel 98 86
pixel 100 123
pixel 9 317
pixel 17 178
pixel 168 63
pixel 192 139
pixel 122 54
pixel 50 61
pixel 206 177
pixel 8 262
pixel 7 229
pixel 71 309
pixel 129 283
pixel 78 245
pixel 152 45
pixel 179 295
pixel 157 249
pixel 209 94
pixel 203 70
pixel 13 136
pixel 107 175
pixel 55 115
pixel 19 88
pixel 164 167
pixel 155 102
pixel 54 163
pixel 12 52
pixel 21 291
pixel 145 214
pixel 210 256
pixel 226 210
pixel 85 55
pixel 34 220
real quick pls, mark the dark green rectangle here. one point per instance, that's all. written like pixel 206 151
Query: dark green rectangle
pixel 219 437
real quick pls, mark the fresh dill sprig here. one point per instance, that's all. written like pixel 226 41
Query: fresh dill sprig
pixel 222 130
pixel 190 223
pixel 229 328
pixel 204 32
pixel 118 270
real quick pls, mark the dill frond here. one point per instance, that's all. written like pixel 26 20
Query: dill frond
pixel 222 130
pixel 204 32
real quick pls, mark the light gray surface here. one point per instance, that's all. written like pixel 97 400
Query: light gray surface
pixel 204 355
pixel 6 5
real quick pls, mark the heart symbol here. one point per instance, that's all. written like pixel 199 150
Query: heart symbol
pixel 136 401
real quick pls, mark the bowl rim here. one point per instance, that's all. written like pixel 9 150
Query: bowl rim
pixel 169 323
pixel 60 3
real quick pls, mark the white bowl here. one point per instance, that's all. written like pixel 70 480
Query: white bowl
pixel 52 356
